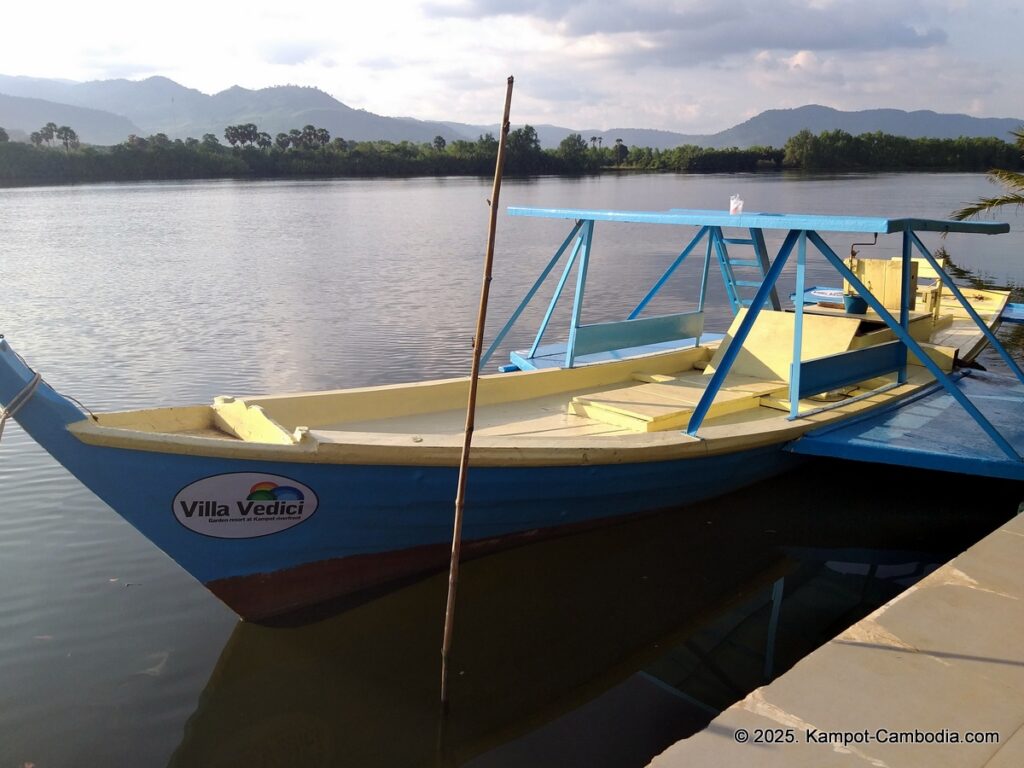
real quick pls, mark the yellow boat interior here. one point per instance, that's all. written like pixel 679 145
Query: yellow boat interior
pixel 631 409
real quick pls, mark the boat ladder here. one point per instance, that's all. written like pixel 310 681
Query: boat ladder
pixel 753 270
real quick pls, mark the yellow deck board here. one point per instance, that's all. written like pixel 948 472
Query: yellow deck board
pixel 768 349
pixel 539 416
pixel 657 406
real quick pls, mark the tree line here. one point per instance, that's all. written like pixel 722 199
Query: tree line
pixel 841 151
pixel 311 151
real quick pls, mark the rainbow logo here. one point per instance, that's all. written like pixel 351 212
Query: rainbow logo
pixel 266 491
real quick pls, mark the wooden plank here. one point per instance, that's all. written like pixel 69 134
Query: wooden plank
pixel 768 351
pixel 655 407
pixel 317 409
pixel 735 383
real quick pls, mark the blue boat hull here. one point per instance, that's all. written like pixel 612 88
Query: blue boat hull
pixel 369 525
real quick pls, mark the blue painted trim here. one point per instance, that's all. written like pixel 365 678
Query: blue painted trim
pixel 826 373
pixel 668 273
pixel 726 268
pixel 529 295
pixel 948 282
pixel 773 221
pixel 736 344
pixel 604 337
pixel 761 254
pixel 1013 313
pixel 581 283
pixel 704 275
pixel 553 355
pixel 796 366
pixel 922 431
pixel 556 295
pixel 901 376
pixel 914 347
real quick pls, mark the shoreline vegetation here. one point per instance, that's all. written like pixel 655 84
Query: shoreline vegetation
pixel 55 156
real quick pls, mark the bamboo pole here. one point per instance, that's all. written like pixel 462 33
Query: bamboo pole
pixel 474 376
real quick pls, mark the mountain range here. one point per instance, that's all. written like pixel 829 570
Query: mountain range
pixel 108 111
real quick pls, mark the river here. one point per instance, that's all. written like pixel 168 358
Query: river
pixel 598 649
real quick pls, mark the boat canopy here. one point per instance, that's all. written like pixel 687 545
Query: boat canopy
pixel 636 334
pixel 782 221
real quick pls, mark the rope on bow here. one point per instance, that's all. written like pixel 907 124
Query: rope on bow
pixel 18 402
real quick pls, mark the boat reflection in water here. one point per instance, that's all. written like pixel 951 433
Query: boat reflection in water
pixel 600 648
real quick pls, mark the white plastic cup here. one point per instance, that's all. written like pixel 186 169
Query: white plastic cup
pixel 735 204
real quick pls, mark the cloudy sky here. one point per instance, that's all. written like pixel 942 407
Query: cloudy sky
pixel 694 66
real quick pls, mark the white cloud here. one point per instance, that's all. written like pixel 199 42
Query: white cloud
pixel 688 65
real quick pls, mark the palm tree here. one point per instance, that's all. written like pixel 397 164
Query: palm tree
pixel 48 131
pixel 66 136
pixel 1012 181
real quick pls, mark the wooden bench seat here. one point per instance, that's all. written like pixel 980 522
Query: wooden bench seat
pixel 661 402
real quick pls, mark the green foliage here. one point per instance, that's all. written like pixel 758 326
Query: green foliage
pixel 66 136
pixel 3 136
pixel 690 158
pixel 311 151
pixel 621 152
pixel 840 151
pixel 573 151
pixel 1011 181
pixel 524 152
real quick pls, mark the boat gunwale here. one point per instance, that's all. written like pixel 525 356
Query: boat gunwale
pixel 442 450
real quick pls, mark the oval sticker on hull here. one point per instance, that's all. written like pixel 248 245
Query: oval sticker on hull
pixel 244 505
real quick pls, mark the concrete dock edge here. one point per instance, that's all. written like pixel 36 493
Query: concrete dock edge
pixel 933 678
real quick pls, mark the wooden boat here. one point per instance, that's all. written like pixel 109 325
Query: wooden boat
pixel 278 502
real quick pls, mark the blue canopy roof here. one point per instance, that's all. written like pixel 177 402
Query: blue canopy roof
pixel 783 221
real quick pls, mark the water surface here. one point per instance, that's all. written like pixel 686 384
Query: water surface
pixel 155 294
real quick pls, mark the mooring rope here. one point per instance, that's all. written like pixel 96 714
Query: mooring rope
pixel 18 402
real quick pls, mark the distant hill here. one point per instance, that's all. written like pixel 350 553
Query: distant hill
pixel 110 110
pixel 160 105
pixel 93 126
pixel 774 126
